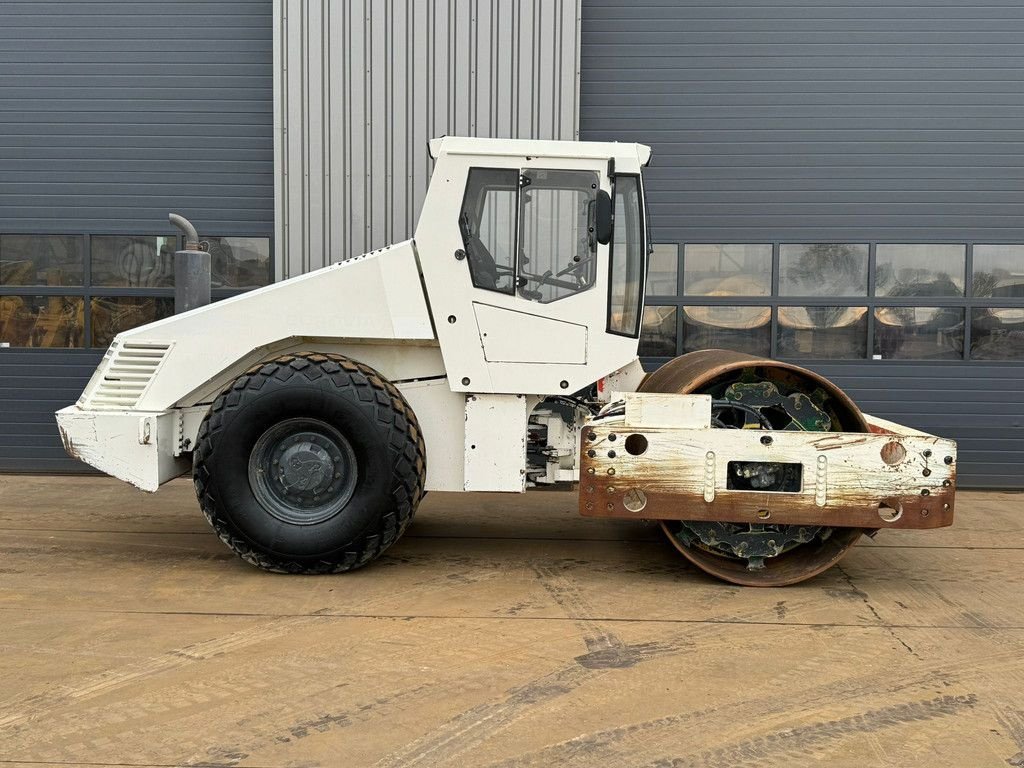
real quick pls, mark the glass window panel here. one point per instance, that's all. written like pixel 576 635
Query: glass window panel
pixel 42 321
pixel 663 270
pixel 658 336
pixel 997 333
pixel 111 315
pixel 557 250
pixel 743 329
pixel 239 262
pixel 488 224
pixel 823 269
pixel 920 270
pixel 42 259
pixel 998 271
pixel 919 333
pixel 727 270
pixel 131 261
pixel 625 294
pixel 823 332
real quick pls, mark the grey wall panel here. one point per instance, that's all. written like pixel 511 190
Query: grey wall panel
pixel 833 120
pixel 980 406
pixel 362 86
pixel 112 114
pixel 33 385
pixel 815 119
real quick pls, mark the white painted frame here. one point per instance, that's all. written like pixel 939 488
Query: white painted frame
pixel 450 287
pixel 388 308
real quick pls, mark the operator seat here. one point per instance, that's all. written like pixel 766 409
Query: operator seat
pixel 483 267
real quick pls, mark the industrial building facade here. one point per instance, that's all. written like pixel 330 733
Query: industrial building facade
pixel 833 183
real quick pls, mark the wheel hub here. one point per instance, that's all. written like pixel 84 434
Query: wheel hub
pixel 303 471
pixel 304 466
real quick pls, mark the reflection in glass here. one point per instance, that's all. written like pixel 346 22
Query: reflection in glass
pixel 998 271
pixel 920 270
pixel 823 332
pixel 42 321
pixel 997 333
pixel 239 262
pixel 658 337
pixel 663 270
pixel 111 315
pixel 41 259
pixel 133 261
pixel 743 329
pixel 823 269
pixel 727 270
pixel 919 333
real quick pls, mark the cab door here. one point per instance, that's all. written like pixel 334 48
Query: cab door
pixel 530 234
pixel 522 305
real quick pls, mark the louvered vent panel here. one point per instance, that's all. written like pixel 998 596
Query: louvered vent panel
pixel 130 371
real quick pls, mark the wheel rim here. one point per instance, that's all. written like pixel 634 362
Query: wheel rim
pixel 302 471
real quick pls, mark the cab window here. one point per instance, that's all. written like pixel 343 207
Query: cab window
pixel 557 250
pixel 488 225
pixel 626 287
pixel 530 234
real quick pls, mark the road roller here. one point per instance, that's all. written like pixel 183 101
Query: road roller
pixel 496 351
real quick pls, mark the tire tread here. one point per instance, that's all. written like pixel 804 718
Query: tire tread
pixel 378 397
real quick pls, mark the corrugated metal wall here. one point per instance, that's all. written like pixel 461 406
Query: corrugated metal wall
pixel 362 86
pixel 112 114
pixel 833 120
pixel 815 119
pixel 980 405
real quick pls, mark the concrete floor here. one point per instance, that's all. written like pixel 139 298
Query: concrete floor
pixel 502 631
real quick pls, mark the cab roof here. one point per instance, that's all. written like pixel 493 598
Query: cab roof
pixel 600 150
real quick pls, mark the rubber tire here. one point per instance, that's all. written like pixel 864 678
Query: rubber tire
pixel 371 414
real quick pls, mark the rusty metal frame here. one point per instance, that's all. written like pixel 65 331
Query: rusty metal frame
pixel 891 477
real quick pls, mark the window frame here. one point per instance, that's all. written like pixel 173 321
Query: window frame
pixel 777 250
pixel 969 323
pixel 521 225
pixel 518 245
pixel 82 246
pixel 642 222
pixel 771 286
pixel 87 291
pixel 873 277
pixel 516 228
pixel 968 302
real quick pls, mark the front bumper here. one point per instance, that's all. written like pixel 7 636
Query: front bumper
pixel 138 447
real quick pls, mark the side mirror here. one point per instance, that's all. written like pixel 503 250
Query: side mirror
pixel 603 225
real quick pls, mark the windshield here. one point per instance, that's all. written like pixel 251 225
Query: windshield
pixel 625 295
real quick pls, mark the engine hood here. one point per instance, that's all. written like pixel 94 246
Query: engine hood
pixel 377 296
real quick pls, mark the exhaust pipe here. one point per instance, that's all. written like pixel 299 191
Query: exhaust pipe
pixel 191 269
pixel 189 231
